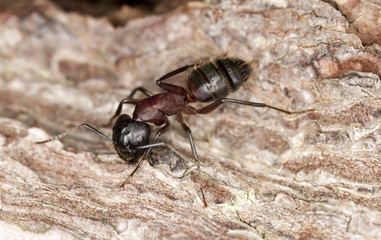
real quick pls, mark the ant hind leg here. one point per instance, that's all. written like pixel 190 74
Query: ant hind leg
pixel 171 87
pixel 211 107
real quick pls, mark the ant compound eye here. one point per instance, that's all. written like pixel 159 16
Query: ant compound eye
pixel 125 137
pixel 140 139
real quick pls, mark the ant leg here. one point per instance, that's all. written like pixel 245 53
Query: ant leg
pixel 175 72
pixel 72 130
pixel 128 100
pixel 141 89
pixel 170 87
pixel 194 151
pixel 148 151
pixel 158 134
pixel 119 109
pixel 217 103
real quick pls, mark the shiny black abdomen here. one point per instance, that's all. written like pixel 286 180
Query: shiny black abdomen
pixel 218 78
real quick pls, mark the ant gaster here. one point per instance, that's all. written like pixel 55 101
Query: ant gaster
pixel 211 81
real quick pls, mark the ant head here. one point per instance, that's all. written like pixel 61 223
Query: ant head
pixel 128 134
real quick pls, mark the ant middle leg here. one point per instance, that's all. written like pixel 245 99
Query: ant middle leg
pixel 194 151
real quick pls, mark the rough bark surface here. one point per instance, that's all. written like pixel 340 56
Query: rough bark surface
pixel 266 175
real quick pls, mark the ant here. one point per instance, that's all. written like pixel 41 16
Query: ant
pixel 209 82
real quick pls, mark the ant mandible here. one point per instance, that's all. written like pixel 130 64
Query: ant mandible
pixel 211 81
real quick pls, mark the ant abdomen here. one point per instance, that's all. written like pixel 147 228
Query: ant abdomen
pixel 218 78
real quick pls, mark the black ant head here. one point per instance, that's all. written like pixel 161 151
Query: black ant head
pixel 128 134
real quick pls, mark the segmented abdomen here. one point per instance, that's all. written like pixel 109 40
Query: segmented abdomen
pixel 218 78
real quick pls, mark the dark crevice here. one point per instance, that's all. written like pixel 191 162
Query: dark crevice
pixel 117 11
pixel 332 3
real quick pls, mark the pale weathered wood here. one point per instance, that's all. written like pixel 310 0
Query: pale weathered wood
pixel 266 174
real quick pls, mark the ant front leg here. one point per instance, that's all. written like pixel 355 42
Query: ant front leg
pixel 158 134
pixel 194 151
pixel 148 151
pixel 211 107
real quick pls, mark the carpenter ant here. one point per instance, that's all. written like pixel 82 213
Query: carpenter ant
pixel 208 82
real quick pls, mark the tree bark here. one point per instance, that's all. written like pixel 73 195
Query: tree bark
pixel 265 174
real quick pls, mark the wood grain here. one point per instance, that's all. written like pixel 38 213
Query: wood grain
pixel 266 174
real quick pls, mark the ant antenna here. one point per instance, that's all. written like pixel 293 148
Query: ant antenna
pixel 74 129
pixel 159 144
pixel 91 128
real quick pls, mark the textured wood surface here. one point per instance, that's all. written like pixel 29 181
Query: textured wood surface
pixel 266 174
